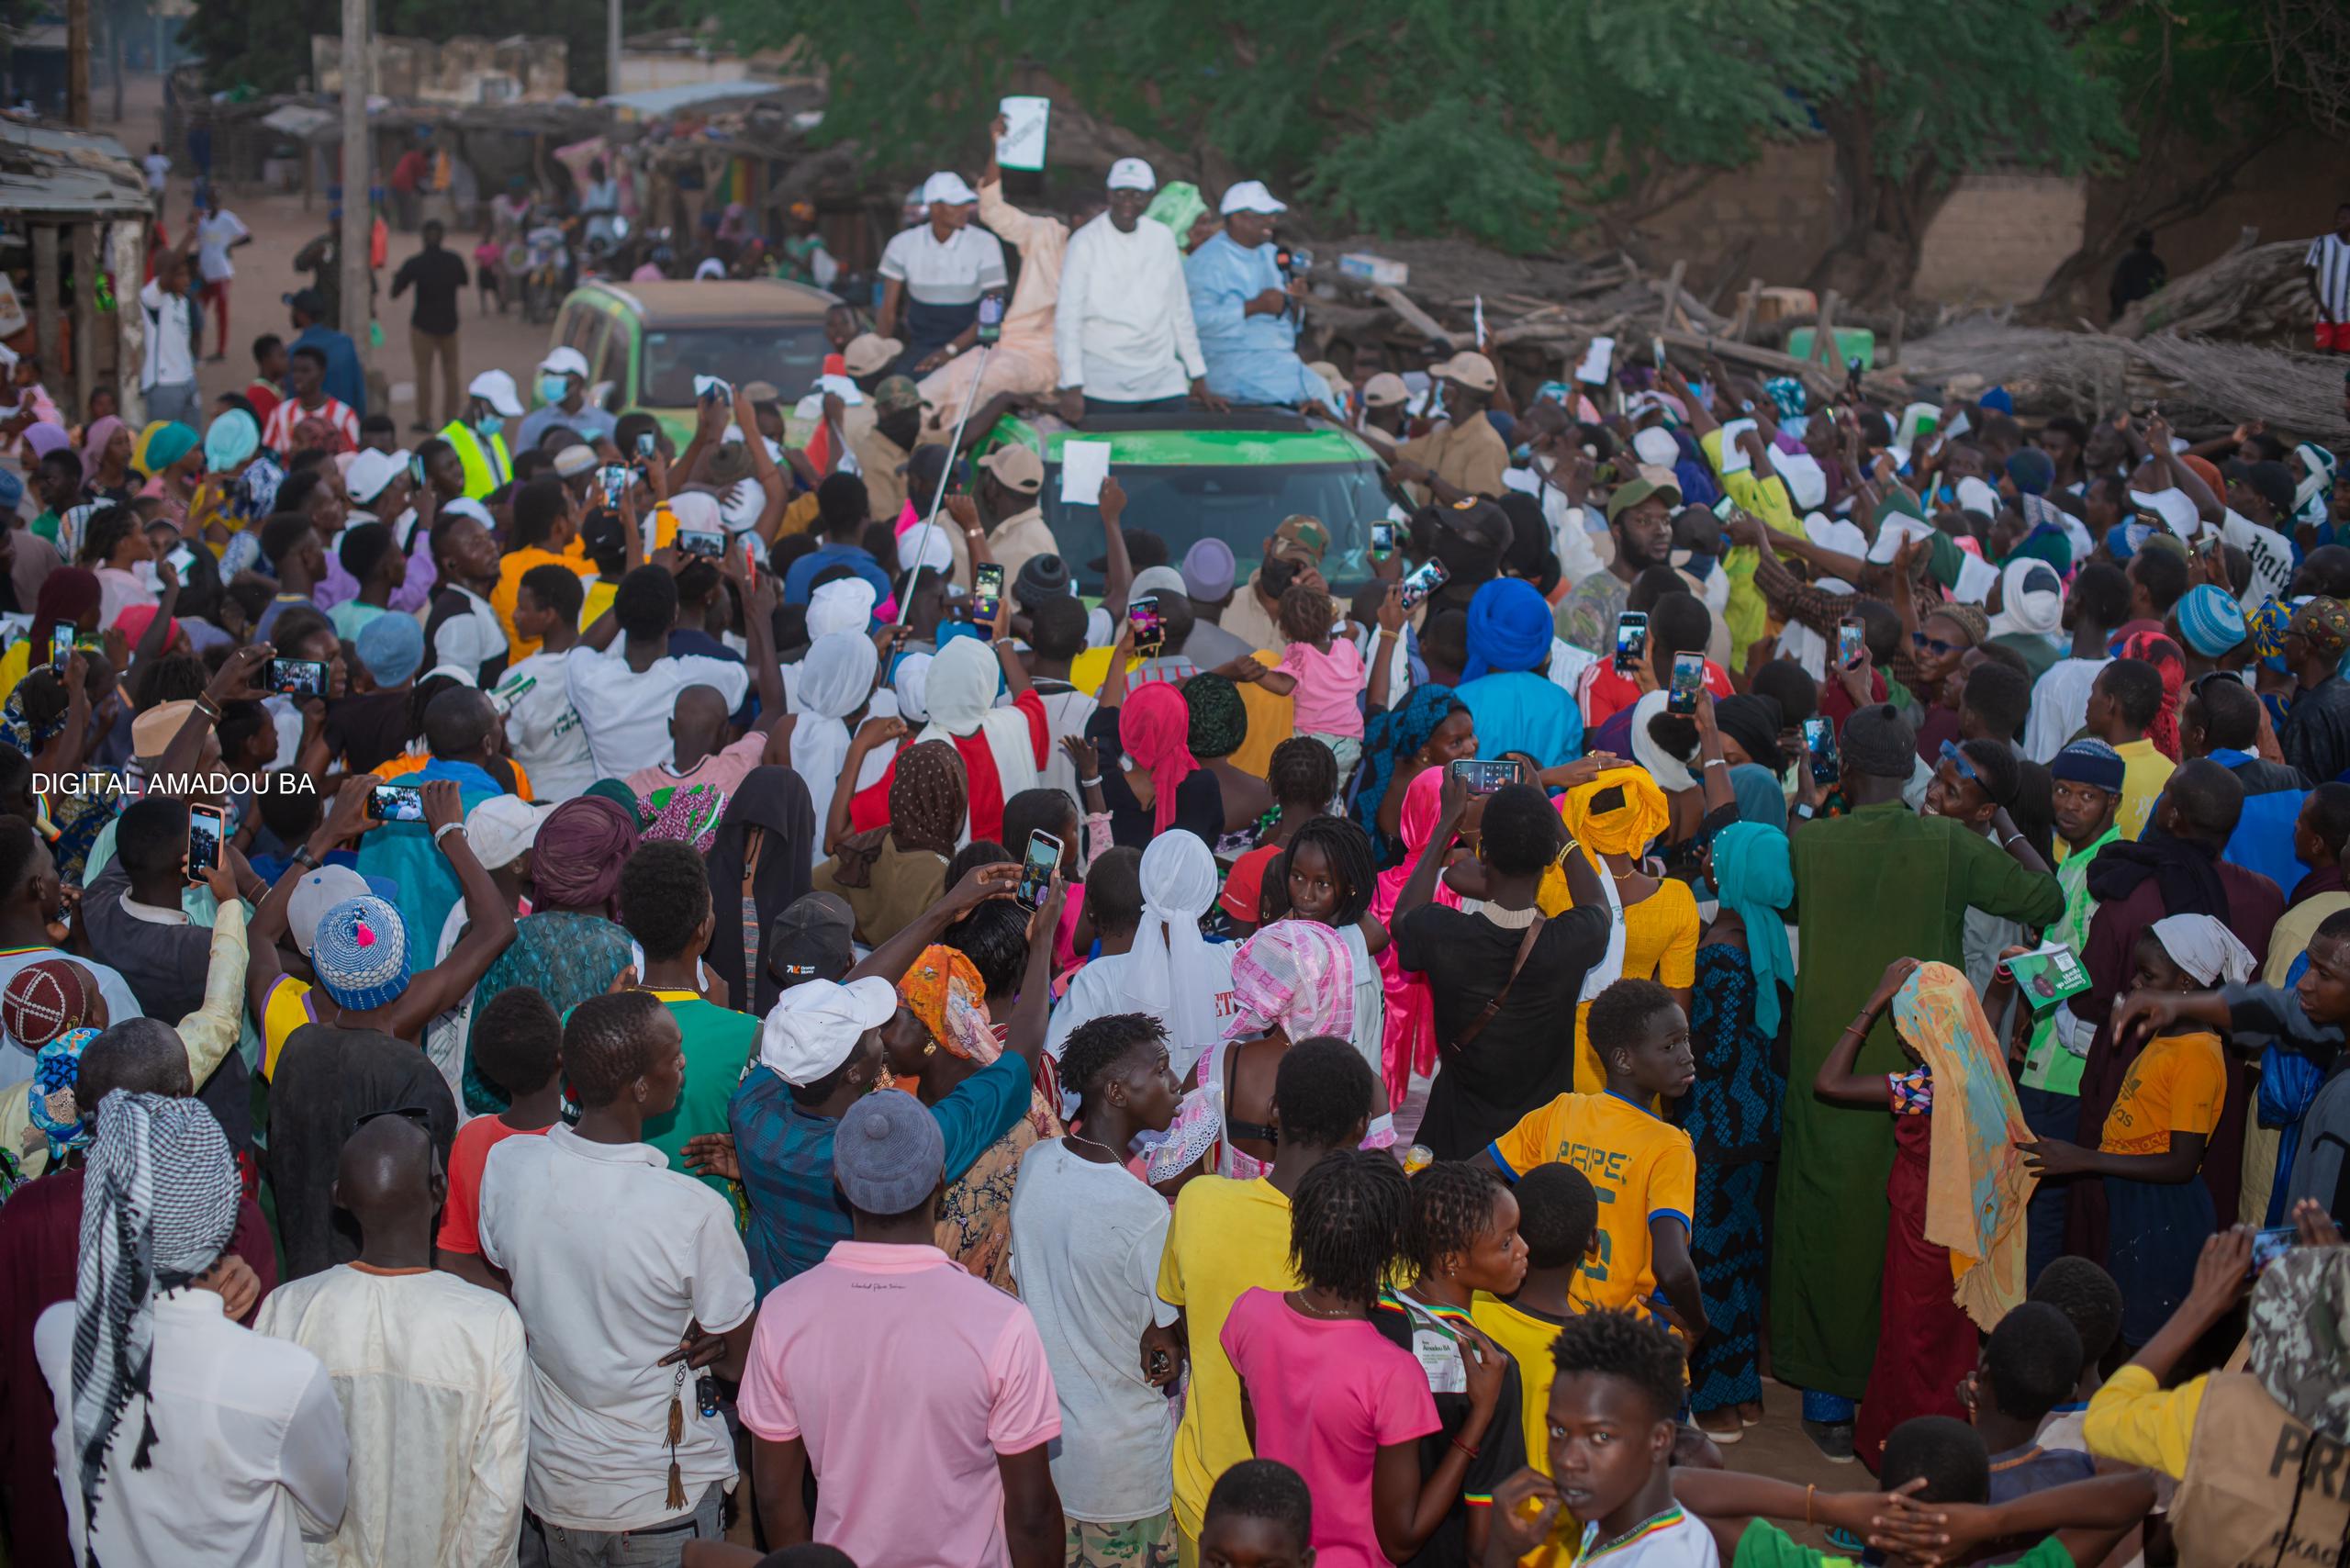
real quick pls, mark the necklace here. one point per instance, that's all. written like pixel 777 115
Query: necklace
pixel 1097 1142
pixel 1670 1514
pixel 1297 1299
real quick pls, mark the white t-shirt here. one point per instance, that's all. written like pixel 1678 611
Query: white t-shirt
pixel 543 730
pixel 2060 706
pixel 1085 1246
pixel 15 1062
pixel 159 170
pixel 471 640
pixel 170 349
pixel 213 237
pixel 626 714
pixel 612 1254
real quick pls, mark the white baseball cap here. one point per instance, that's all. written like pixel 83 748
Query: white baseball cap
pixel 947 188
pixel 495 388
pixel 565 361
pixel 815 1025
pixel 500 828
pixel 371 472
pixel 1131 175
pixel 1250 195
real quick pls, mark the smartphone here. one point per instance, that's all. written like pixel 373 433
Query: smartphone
pixel 1484 776
pixel 615 476
pixel 61 645
pixel 1036 869
pixel 1382 539
pixel 1848 644
pixel 986 592
pixel 697 542
pixel 1149 632
pixel 416 470
pixel 990 318
pixel 297 678
pixel 1724 509
pixel 204 836
pixel 1423 580
pixel 1631 640
pixel 396 804
pixel 2269 1244
pixel 1819 737
pixel 1688 675
pixel 647 444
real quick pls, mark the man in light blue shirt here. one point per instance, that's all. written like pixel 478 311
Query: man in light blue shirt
pixel 1246 311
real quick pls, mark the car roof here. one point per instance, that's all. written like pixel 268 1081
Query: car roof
pixel 1244 437
pixel 717 300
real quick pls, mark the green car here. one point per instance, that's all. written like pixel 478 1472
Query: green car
pixel 1190 476
pixel 650 340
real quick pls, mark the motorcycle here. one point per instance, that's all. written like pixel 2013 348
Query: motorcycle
pixel 546 270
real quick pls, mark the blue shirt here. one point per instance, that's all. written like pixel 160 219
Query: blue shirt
pixel 799 581
pixel 1520 711
pixel 1251 359
pixel 345 382
pixel 786 1156
pixel 592 423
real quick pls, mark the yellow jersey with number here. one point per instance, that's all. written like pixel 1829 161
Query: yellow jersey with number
pixel 1641 1168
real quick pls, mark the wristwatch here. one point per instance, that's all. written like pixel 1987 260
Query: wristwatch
pixel 304 858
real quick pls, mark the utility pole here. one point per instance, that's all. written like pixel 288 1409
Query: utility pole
pixel 358 305
pixel 77 64
pixel 611 47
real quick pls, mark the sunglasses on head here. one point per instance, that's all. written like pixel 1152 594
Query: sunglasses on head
pixel 1957 758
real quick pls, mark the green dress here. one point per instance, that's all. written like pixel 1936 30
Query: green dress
pixel 1880 884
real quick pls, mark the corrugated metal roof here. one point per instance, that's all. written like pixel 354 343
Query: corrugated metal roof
pixel 52 171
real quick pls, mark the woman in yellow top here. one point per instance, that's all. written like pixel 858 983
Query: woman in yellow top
pixel 2151 1149
pixel 1615 818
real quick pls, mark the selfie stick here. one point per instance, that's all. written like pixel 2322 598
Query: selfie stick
pixel 939 496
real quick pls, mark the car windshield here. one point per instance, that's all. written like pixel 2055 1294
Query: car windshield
pixel 788 355
pixel 1239 504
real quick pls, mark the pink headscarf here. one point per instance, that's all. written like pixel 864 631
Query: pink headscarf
pixel 1154 727
pixel 94 446
pixel 1295 975
pixel 1410 1043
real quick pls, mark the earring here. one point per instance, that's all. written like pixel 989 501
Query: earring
pixel 930 1049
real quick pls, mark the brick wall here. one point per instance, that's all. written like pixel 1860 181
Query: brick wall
pixel 1999 237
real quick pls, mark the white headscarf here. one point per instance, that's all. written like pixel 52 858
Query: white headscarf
pixel 925 547
pixel 1656 447
pixel 834 680
pixel 696 512
pixel 1669 771
pixel 960 691
pixel 845 605
pixel 1178 883
pixel 912 683
pixel 2205 949
pixel 2040 613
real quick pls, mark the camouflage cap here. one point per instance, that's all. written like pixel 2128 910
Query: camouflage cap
pixel 2298 1338
pixel 1301 537
pixel 895 395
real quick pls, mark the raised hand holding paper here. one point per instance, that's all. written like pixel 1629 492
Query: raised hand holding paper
pixel 1084 465
pixel 1734 457
pixel 1021 145
pixel 1593 371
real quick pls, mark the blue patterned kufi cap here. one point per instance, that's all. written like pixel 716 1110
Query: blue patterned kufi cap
pixel 361 953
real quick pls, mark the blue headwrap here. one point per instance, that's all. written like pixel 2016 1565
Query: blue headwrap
pixel 1387 739
pixel 1509 628
pixel 2033 470
pixel 1752 870
pixel 1787 394
pixel 50 1100
pixel 230 440
pixel 1998 400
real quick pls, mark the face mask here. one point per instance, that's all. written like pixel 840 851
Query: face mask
pixel 555 389
pixel 488 425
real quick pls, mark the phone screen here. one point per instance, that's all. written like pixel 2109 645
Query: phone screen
pixel 396 804
pixel 1424 580
pixel 61 645
pixel 698 542
pixel 1848 644
pixel 203 841
pixel 1724 509
pixel 990 318
pixel 1631 640
pixel 1688 675
pixel 1037 867
pixel 986 591
pixel 1383 539
pixel 297 678
pixel 416 470
pixel 1150 633
pixel 1820 736
pixel 2269 1244
pixel 647 444
pixel 1484 776
pixel 615 479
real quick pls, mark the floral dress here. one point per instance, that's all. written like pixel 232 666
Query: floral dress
pixel 974 1216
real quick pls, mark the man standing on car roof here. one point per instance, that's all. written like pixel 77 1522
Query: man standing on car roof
pixel 1246 311
pixel 1123 329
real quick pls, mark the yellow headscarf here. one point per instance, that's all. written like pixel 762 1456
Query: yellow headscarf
pixel 1625 829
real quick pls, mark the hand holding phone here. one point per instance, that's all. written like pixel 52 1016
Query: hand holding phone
pixel 1631 640
pixel 1819 740
pixel 1149 632
pixel 1423 580
pixel 1850 644
pixel 205 830
pixel 700 542
pixel 396 804
pixel 1484 776
pixel 986 591
pixel 297 678
pixel 1042 859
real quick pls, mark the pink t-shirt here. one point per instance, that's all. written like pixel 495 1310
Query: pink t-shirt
pixel 725 768
pixel 903 1444
pixel 1329 687
pixel 1328 1395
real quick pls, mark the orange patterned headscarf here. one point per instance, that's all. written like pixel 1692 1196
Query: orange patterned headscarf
pixel 945 992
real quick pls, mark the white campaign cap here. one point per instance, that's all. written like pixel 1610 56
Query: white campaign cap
pixel 371 472
pixel 815 1025
pixel 495 388
pixel 465 505
pixel 947 188
pixel 502 827
pixel 1250 195
pixel 1131 175
pixel 565 361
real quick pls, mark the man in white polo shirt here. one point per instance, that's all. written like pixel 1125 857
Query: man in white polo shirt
pixel 630 1278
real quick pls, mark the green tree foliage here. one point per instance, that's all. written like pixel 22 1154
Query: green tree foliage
pixel 1503 120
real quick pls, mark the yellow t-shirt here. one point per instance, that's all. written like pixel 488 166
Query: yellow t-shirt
pixel 286 1008
pixel 1640 1168
pixel 509 579
pixel 1528 1337
pixel 2177 1085
pixel 1225 1238
pixel 2144 771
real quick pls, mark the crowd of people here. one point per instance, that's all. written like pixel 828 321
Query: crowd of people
pixel 596 1003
